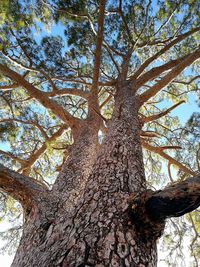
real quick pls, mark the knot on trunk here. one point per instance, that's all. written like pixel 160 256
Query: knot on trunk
pixel 146 226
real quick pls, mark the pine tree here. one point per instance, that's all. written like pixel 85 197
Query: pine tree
pixel 78 106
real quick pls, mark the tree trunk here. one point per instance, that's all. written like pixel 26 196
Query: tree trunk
pixel 97 230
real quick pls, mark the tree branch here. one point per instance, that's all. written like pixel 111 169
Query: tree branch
pixel 175 200
pixel 34 123
pixel 7 154
pixel 169 77
pixel 24 189
pixel 68 91
pixel 162 51
pixel 159 151
pixel 78 80
pixel 156 71
pixel 125 23
pixel 97 57
pixel 30 68
pixel 40 96
pixel 157 116
pixel 9 87
pixel 106 101
pixel 35 156
pixel 188 82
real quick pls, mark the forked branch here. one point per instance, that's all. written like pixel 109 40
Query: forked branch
pixel 157 71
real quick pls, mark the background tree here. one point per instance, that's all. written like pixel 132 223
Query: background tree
pixel 78 105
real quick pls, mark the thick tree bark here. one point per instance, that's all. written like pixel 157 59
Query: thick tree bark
pixel 101 231
pixel 71 181
pixel 99 212
pixel 97 230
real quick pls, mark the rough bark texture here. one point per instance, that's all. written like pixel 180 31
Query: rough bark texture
pixel 99 212
pixel 101 232
pixel 97 229
pixel 75 171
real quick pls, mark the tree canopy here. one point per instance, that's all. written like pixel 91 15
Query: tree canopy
pixel 60 64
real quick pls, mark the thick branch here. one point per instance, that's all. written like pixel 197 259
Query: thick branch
pixel 76 169
pixel 97 58
pixel 68 91
pixel 149 210
pixel 175 200
pixel 40 96
pixel 24 189
pixel 156 71
pixel 170 76
pixel 162 51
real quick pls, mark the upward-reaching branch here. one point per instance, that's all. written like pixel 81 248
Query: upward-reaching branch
pixel 156 71
pixel 162 51
pixel 125 24
pixel 161 114
pixel 40 96
pixel 97 58
pixel 169 77
pixel 26 167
